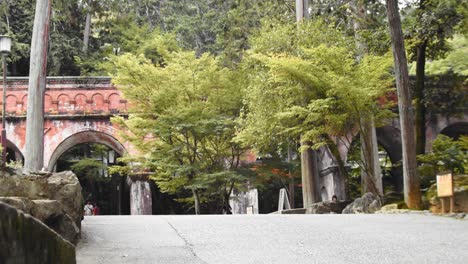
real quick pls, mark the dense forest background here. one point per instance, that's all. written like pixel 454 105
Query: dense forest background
pixel 213 79
pixel 84 33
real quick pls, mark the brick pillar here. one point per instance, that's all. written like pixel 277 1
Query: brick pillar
pixel 141 202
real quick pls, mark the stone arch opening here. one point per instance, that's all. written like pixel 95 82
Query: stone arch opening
pixel 456 130
pixel 13 153
pixel 89 154
pixel 85 137
pixel 390 155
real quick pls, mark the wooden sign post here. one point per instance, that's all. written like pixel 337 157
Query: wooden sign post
pixel 445 190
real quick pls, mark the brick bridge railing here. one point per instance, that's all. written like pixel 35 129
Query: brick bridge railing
pixel 76 110
pixel 68 96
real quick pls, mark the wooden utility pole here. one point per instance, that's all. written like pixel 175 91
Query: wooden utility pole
pixel 412 190
pixel 371 180
pixel 34 155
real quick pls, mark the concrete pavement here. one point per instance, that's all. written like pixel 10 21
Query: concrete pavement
pixel 290 239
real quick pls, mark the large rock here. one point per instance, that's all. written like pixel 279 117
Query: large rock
pixel 63 187
pixel 53 215
pixel 55 199
pixel 369 203
pixel 24 239
pixel 20 203
pixel 327 207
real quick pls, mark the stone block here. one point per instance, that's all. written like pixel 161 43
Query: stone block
pixel 24 239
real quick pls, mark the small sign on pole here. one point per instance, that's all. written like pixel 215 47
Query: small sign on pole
pixel 445 189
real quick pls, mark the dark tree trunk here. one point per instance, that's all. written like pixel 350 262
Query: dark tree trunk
pixel 291 180
pixel 87 31
pixel 196 198
pixel 34 154
pixel 412 190
pixel 371 180
pixel 310 177
pixel 341 166
pixel 309 169
pixel 420 108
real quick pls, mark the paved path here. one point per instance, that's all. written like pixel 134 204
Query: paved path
pixel 290 239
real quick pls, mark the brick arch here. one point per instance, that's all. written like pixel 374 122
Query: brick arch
pixel 49 105
pixel 90 136
pixel 63 101
pixel 114 102
pixel 24 101
pixel 98 102
pixel 388 137
pixel 440 124
pixel 17 152
pixel 455 130
pixel 80 102
pixel 11 102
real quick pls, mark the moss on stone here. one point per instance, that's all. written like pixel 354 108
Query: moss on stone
pixel 27 240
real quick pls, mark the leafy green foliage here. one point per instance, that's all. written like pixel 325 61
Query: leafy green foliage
pixel 447 155
pixel 183 118
pixel 308 85
pixel 455 62
pixel 354 161
pixel 432 21
pixel 445 95
pixel 89 169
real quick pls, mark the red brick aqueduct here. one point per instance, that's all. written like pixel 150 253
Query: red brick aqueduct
pixel 78 110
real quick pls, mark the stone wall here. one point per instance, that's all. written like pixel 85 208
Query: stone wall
pixel 24 239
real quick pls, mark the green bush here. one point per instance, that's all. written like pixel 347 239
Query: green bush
pixel 447 155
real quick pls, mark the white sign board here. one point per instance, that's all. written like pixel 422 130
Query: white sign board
pixel 445 185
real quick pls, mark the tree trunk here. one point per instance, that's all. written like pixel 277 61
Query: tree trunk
pixel 309 169
pixel 196 198
pixel 341 166
pixel 412 190
pixel 310 175
pixel 420 108
pixel 358 10
pixel 302 10
pixel 370 173
pixel 34 154
pixel 87 31
pixel 227 206
pixel 371 180
pixel 291 180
